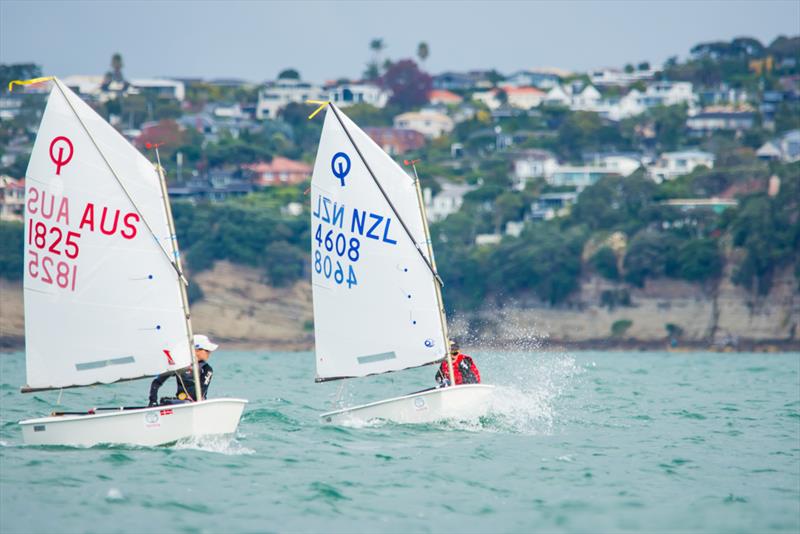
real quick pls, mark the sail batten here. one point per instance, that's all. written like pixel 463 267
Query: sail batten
pixel 96 237
pixel 374 285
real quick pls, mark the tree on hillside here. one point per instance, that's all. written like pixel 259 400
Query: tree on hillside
pixel 373 66
pixel 423 51
pixel 289 74
pixel 409 85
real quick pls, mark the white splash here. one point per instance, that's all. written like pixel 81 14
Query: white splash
pixel 227 445
pixel 114 494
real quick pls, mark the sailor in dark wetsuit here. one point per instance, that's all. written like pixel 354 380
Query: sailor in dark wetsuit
pixel 203 347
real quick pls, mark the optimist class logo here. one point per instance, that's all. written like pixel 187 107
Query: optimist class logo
pixel 60 158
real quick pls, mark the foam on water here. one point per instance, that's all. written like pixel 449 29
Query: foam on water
pixel 227 445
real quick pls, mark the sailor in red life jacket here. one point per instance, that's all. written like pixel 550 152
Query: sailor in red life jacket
pixel 464 369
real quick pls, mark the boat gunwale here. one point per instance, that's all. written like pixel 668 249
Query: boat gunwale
pixel 53 419
pixel 407 396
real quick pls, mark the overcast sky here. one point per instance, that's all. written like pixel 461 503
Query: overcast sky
pixel 327 40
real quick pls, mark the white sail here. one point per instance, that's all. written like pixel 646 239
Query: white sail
pixel 102 300
pixel 375 303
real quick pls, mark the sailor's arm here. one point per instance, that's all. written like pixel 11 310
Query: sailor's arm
pixel 155 385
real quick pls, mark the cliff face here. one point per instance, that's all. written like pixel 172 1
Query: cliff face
pixel 714 314
pixel 239 309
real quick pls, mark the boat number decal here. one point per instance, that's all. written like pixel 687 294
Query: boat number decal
pixel 340 165
pixel 338 237
pixel 168 411
pixel 419 403
pixel 60 159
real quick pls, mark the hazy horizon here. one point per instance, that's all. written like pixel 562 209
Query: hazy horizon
pixel 255 40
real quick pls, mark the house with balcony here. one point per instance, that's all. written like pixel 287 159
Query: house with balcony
pixel 668 94
pixel 280 171
pixel 348 94
pixel 395 141
pixel 605 77
pixel 578 177
pixel 673 164
pixel 431 124
pixel 275 96
pixel 622 163
pixel 708 122
pixel 550 205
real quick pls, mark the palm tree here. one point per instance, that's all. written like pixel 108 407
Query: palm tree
pixel 423 51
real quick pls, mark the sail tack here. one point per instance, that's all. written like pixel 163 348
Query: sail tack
pixel 102 300
pixel 375 303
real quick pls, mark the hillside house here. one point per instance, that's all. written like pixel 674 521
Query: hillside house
pixel 578 177
pixel 707 122
pixel 518 97
pixel 551 205
pixel 535 78
pixel 279 171
pixel 431 124
pixel 275 96
pixel 622 163
pixel 348 94
pixel 12 198
pixel 673 164
pixel 395 141
pixel 533 163
pixel 785 148
pixel 443 97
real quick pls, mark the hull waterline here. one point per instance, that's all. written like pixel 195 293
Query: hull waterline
pixel 467 401
pixel 147 426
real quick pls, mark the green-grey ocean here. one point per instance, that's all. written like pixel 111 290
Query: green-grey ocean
pixel 575 442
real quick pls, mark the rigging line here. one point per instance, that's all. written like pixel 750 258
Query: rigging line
pixel 385 196
pixel 117 178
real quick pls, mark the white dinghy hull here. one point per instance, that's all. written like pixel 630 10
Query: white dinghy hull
pixel 147 426
pixel 468 401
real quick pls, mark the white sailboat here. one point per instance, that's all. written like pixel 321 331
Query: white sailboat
pixel 105 296
pixel 377 296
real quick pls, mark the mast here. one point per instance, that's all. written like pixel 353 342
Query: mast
pixel 183 283
pixel 438 280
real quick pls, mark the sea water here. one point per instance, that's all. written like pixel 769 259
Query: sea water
pixel 575 442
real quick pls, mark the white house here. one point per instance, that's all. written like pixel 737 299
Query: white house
pixel 558 95
pixel 579 177
pixel 611 76
pixel 668 94
pixel 586 100
pixel 358 93
pixel 431 124
pixel 532 163
pixel 518 97
pixel 275 96
pixel 623 164
pixel 673 164
pixel 785 148
pixel 446 202
pixel 164 88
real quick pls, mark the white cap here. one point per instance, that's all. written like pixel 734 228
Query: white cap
pixel 202 342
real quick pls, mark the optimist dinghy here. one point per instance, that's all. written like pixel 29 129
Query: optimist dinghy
pixel 105 295
pixel 377 294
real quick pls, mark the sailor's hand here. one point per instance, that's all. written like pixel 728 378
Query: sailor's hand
pixel 152 403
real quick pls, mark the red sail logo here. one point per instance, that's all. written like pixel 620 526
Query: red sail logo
pixel 169 357
pixel 61 152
